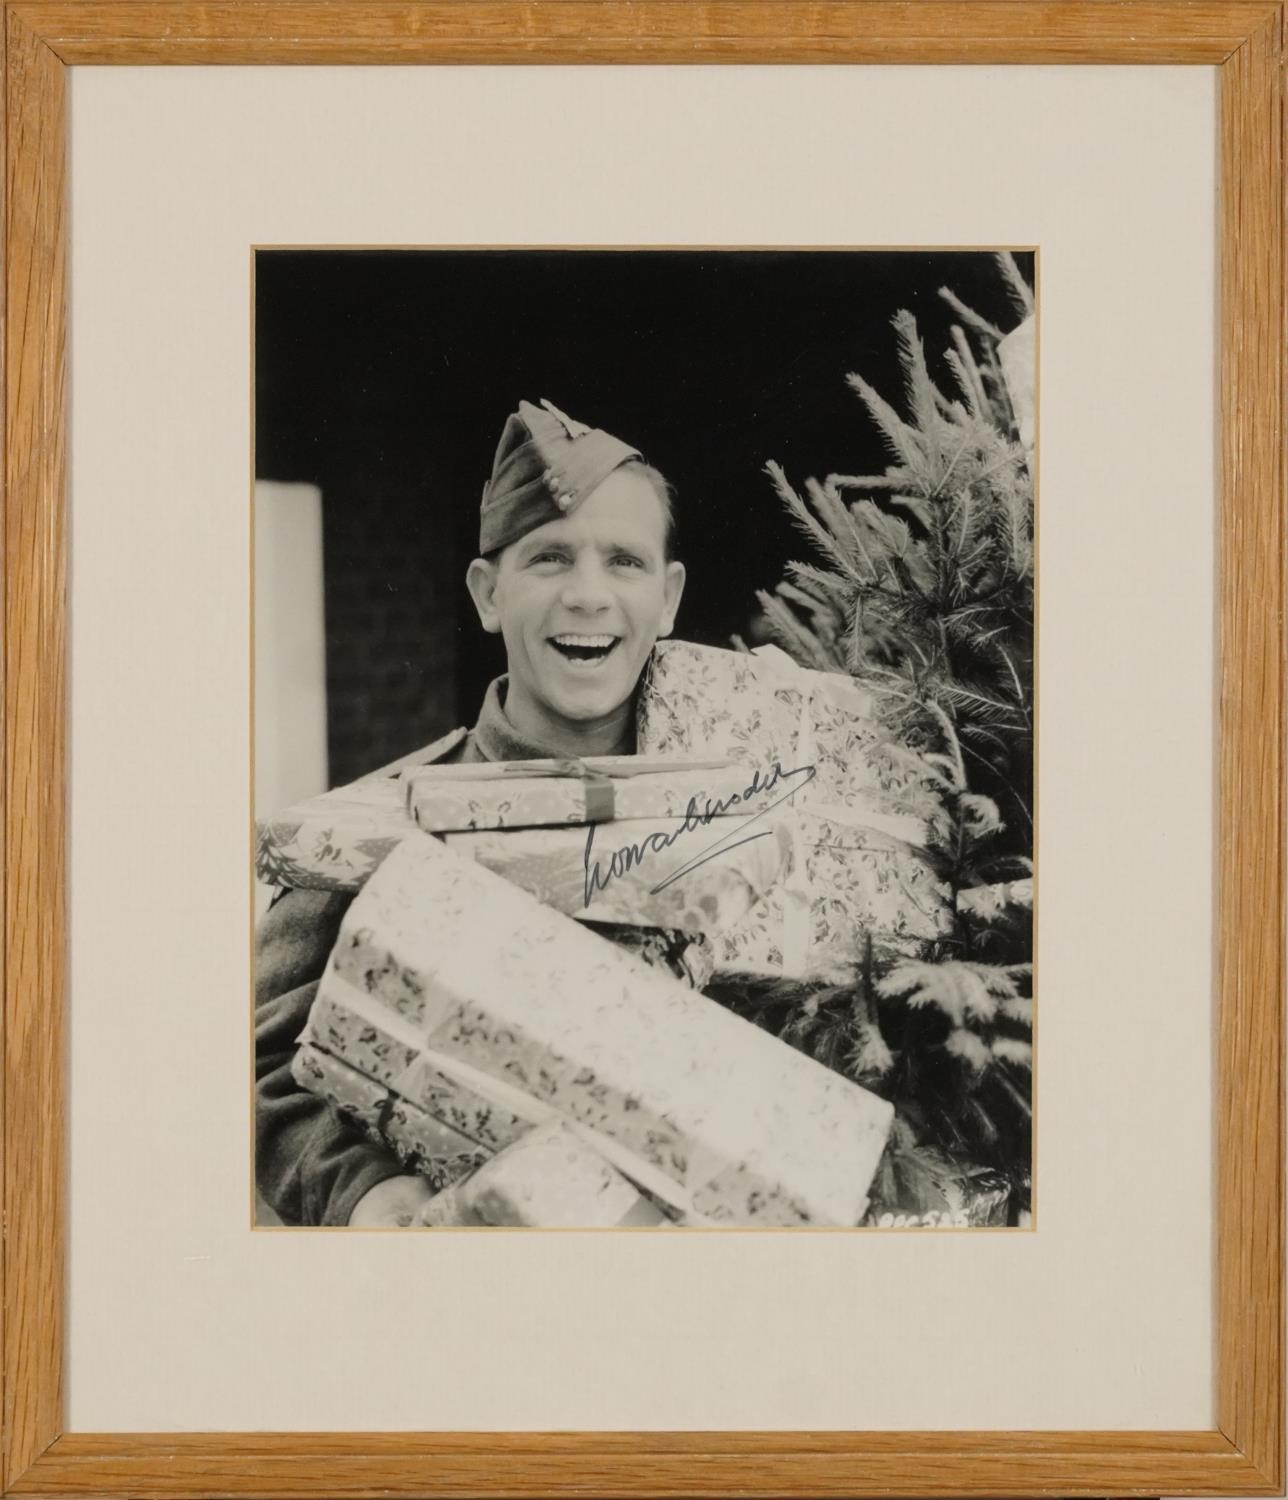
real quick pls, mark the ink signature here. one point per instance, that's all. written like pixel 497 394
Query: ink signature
pixel 625 858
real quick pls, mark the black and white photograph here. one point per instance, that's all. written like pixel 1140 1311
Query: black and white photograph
pixel 644 734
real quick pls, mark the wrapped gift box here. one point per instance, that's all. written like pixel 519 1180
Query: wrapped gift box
pixel 335 841
pixel 637 872
pixel 550 1180
pixel 469 998
pixel 859 868
pixel 380 1049
pixel 980 1196
pixel 541 794
pixel 690 958
pixel 971 1197
pixel 422 1143
pixel 845 887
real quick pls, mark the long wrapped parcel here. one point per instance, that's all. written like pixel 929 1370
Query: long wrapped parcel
pixel 467 997
pixel 860 870
pixel 628 873
pixel 423 1144
pixel 550 1179
pixel 537 794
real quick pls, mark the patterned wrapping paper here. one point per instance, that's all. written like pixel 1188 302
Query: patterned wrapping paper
pixel 392 1070
pixel 690 959
pixel 859 870
pixel 549 1180
pixel 333 842
pixel 445 800
pixel 974 1198
pixel 422 1143
pixel 337 840
pixel 873 886
pixel 612 873
pixel 380 1053
pixel 701 1109
pixel 981 1197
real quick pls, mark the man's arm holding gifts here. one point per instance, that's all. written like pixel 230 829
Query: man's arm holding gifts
pixel 311 1165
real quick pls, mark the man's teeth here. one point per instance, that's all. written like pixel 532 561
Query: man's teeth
pixel 584 651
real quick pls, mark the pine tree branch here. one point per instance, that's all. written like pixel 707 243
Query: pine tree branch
pixel 903 441
pixel 952 411
pixel 952 464
pixel 828 589
pixel 1021 700
pixel 796 639
pixel 920 388
pixel 969 315
pixel 821 615
pixel 1021 293
pixel 971 371
pixel 1006 782
pixel 954 362
pixel 917 505
pixel 954 744
pixel 1009 423
pixel 1011 456
pixel 839 520
pixel 806 521
pixel 1018 1099
pixel 865 481
pixel 998 713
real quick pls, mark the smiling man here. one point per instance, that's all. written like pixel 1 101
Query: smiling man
pixel 575 574
pixel 580 598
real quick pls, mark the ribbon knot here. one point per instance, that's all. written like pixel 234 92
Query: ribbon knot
pixel 601 802
pixel 572 766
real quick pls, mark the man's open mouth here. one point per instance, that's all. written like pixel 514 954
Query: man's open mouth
pixel 587 650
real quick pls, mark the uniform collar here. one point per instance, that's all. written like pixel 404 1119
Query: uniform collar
pixel 497 739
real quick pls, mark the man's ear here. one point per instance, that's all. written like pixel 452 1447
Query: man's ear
pixel 480 579
pixel 674 588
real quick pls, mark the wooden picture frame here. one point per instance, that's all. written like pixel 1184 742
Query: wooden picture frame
pixel 1243 1454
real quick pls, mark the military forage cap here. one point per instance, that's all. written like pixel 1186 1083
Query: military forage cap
pixel 546 465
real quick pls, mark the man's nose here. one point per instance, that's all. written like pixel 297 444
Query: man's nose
pixel 586 586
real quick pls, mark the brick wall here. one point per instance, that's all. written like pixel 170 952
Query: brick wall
pixel 395 604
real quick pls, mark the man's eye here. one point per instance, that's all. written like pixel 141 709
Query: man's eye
pixel 627 560
pixel 547 557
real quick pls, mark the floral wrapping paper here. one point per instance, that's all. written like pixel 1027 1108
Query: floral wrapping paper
pixel 378 1054
pixel 613 873
pixel 699 1108
pixel 378 1070
pixel 690 959
pixel 552 1180
pixel 858 870
pixel 335 841
pixel 868 886
pixel 454 803
pixel 421 1143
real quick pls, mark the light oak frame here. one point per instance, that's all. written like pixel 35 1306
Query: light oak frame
pixel 1244 1454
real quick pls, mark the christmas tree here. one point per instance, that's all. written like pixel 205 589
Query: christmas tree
pixel 922 586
